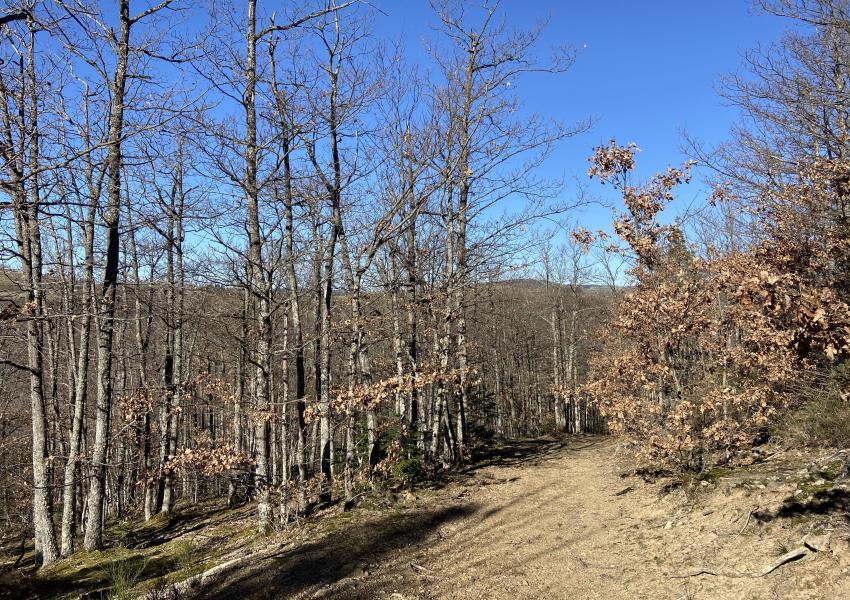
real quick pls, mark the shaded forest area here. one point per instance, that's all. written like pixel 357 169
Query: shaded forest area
pixel 260 260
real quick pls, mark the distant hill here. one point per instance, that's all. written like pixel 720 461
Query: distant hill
pixel 529 283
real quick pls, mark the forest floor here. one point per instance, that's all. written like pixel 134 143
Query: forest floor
pixel 546 518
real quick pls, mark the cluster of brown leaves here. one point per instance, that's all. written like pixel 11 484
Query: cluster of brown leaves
pixel 369 396
pixel 209 458
pixel 28 309
pixel 701 354
pixel 612 162
pixel 215 387
pixel 134 406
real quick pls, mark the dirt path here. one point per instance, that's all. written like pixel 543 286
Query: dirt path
pixel 544 520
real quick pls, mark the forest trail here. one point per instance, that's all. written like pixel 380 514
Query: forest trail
pixel 553 519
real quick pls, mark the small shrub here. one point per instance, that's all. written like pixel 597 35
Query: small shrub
pixel 409 469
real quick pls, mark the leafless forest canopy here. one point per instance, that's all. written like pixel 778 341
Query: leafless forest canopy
pixel 253 254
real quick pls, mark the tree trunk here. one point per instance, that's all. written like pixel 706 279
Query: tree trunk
pixel 82 374
pixel 106 305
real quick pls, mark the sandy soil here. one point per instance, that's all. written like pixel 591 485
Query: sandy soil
pixel 554 519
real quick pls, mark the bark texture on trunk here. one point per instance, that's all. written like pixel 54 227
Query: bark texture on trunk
pixel 106 303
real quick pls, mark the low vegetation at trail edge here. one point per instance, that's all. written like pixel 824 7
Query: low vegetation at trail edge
pixel 289 309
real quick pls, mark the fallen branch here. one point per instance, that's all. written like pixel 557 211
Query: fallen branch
pixel 793 555
pixel 695 574
pixel 747 522
pixel 420 569
pixel 771 456
pixel 194 583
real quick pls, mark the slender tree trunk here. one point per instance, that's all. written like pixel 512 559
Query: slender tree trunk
pixel 294 305
pixel 82 375
pixel 26 212
pixel 464 177
pixel 298 338
pixel 284 413
pixel 239 396
pixel 106 305
pixel 557 364
pixel 259 281
pixel 414 420
pixel 335 191
pixel 29 235
pixel 176 286
pixel 398 343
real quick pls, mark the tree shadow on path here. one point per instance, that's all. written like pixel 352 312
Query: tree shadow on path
pixel 344 552
pixel 532 451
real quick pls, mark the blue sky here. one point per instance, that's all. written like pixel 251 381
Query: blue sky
pixel 646 70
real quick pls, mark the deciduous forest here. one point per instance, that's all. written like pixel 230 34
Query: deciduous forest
pixel 287 310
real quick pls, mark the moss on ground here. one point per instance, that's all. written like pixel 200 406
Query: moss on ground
pixel 142 556
pixel 714 473
pixel 832 470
